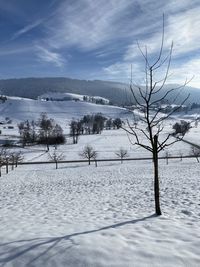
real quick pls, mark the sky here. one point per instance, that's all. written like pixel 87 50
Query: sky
pixel 98 39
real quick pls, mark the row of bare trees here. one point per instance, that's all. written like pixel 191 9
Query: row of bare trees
pixel 88 153
pixel 9 158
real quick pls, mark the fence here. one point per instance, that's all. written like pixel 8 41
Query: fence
pixel 103 160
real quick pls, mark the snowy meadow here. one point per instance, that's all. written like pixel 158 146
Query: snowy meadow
pixel 104 216
pixel 81 215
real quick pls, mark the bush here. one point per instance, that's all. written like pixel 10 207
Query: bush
pixel 181 128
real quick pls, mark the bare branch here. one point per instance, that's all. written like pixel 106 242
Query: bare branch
pixel 162 43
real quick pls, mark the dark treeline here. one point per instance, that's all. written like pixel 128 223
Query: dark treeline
pixel 44 131
pixel 92 124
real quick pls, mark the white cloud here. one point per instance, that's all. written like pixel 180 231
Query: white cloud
pixel 181 28
pixel 48 56
pixel 187 70
pixel 12 51
pixel 108 31
pixel 27 28
pixel 87 24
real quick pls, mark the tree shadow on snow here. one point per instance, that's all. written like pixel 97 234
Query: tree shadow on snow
pixel 11 251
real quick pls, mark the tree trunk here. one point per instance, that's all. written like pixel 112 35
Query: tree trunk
pixel 13 164
pixel 89 161
pixel 156 178
pixel 56 165
pixel 7 167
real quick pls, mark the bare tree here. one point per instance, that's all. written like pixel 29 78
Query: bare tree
pixel 56 157
pixel 15 158
pixel 46 126
pixel 195 151
pixel 167 157
pixel 3 154
pixel 149 99
pixel 122 153
pixel 117 122
pixel 89 153
pixel 75 130
pixel 50 133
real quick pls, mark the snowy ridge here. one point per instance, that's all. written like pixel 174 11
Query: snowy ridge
pixel 68 96
pixel 22 109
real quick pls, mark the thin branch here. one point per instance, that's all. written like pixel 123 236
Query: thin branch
pixel 167 69
pixel 170 113
pixel 163 145
pixel 144 56
pixel 133 132
pixel 162 43
pixel 135 98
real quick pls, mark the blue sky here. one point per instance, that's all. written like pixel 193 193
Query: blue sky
pixel 97 39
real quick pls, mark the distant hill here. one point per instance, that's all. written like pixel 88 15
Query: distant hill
pixel 34 87
pixel 117 93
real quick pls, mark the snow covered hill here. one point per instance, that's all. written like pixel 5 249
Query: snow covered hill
pixel 20 109
pixel 77 97
pixel 114 91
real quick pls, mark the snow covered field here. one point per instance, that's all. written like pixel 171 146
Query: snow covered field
pixel 104 216
pixel 80 215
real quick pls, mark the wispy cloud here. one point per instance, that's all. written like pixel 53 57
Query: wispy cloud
pixel 8 51
pixel 27 29
pixel 103 34
pixel 87 24
pixel 182 27
pixel 48 56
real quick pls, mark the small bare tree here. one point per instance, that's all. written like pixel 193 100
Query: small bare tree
pixel 55 156
pixel 167 157
pixel 3 155
pixel 89 153
pixel 149 99
pixel 195 151
pixel 122 153
pixel 15 158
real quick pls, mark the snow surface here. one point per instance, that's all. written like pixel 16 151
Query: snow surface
pixel 80 215
pixel 23 109
pixel 104 216
pixel 69 96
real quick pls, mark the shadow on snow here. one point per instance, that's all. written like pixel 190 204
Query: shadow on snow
pixel 13 250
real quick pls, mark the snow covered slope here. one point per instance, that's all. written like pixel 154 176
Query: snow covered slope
pixel 68 96
pixel 21 109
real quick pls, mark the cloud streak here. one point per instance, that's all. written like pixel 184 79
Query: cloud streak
pixel 99 38
pixel 50 57
pixel 27 29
